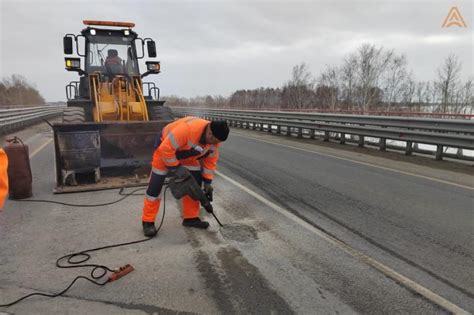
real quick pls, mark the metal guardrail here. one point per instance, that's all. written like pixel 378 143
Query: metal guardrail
pixel 17 118
pixel 442 115
pixel 413 131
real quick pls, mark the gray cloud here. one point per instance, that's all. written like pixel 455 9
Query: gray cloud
pixel 210 47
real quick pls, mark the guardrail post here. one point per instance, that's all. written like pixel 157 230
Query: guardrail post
pixel 312 134
pixel 300 133
pixel 326 136
pixel 343 138
pixel 288 131
pixel 278 129
pixel 439 152
pixel 382 144
pixel 269 128
pixel 261 127
pixel 361 141
pixel 409 148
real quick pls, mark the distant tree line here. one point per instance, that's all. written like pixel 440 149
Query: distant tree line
pixel 370 79
pixel 16 90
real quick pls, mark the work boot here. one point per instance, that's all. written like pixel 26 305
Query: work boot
pixel 149 229
pixel 196 222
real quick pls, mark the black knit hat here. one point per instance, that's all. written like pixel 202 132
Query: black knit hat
pixel 220 130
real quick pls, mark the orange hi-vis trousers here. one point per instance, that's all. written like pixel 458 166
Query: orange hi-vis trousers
pixel 151 204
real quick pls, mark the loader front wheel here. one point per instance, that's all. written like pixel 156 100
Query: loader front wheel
pixel 73 115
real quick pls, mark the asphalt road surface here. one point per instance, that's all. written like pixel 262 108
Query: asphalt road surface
pixel 313 229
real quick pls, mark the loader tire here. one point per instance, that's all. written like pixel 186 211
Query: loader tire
pixel 73 115
pixel 160 113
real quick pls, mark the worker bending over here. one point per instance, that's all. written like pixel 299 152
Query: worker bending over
pixel 187 145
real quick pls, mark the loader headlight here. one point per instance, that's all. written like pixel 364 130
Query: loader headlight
pixel 153 66
pixel 126 32
pixel 73 63
pixel 93 32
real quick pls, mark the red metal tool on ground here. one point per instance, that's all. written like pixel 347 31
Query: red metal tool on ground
pixel 122 271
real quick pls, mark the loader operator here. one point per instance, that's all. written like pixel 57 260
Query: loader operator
pixel 113 58
pixel 185 147
pixel 113 64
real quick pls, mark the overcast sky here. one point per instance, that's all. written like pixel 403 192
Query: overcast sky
pixel 217 47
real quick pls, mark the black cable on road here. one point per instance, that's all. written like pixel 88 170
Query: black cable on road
pixel 125 195
pixel 77 259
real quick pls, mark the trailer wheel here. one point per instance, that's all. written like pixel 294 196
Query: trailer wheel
pixel 73 115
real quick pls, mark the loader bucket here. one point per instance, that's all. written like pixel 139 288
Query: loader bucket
pixel 96 156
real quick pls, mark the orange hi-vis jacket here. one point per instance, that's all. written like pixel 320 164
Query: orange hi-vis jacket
pixel 3 177
pixel 182 144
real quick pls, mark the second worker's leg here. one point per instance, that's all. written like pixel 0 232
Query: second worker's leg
pixel 151 203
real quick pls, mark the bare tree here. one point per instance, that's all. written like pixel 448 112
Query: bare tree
pixel 407 90
pixel 328 87
pixel 348 80
pixel 371 64
pixel 448 80
pixel 394 79
pixel 465 98
pixel 298 92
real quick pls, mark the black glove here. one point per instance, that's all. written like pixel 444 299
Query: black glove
pixel 208 190
pixel 184 154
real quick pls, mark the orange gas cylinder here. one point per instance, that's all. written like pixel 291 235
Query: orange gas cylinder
pixel 19 171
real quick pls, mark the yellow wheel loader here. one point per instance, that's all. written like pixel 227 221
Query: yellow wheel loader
pixel 106 139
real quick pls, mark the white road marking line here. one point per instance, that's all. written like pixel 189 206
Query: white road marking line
pixel 428 294
pixel 362 163
pixel 40 148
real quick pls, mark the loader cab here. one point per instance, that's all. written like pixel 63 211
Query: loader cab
pixel 109 49
pixel 110 52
